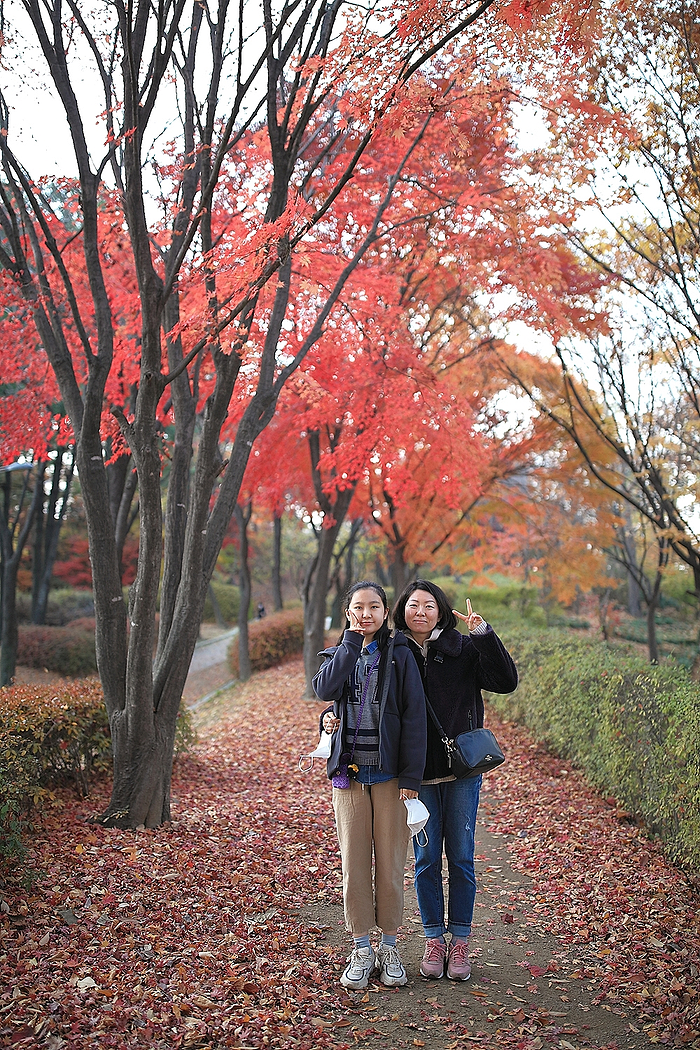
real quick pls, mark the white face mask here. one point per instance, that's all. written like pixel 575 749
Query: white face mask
pixel 322 750
pixel 416 817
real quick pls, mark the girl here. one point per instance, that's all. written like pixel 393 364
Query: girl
pixel 455 668
pixel 379 733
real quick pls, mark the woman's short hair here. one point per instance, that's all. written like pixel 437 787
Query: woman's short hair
pixel 446 618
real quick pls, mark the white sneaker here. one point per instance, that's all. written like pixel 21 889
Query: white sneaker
pixel 361 962
pixel 391 969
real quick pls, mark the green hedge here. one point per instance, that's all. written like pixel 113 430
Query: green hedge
pixel 228 599
pixel 271 641
pixel 65 650
pixel 504 603
pixel 65 604
pixel 632 727
pixel 52 735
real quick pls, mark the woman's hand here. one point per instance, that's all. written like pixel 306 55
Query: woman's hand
pixel 472 619
pixel 405 793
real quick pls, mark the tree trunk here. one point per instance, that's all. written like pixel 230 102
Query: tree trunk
pixel 634 592
pixel 142 772
pixel 652 642
pixel 401 571
pixel 218 615
pixel 244 590
pixel 9 633
pixel 40 594
pixel 344 575
pixel 277 562
pixel 48 535
pixel 316 590
pixel 634 596
pixel 653 602
pixel 9 636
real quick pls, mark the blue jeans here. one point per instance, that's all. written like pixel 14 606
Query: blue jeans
pixel 372 775
pixel 452 807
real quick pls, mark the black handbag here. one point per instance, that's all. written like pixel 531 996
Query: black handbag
pixel 471 753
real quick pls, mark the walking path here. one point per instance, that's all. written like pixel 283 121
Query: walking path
pixel 516 978
pixel 581 929
pixel 209 670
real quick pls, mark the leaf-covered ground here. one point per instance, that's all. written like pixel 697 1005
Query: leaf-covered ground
pixel 222 930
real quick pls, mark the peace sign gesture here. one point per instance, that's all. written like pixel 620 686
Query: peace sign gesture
pixel 472 619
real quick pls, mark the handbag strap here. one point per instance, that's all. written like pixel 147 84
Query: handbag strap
pixel 441 731
pixel 435 719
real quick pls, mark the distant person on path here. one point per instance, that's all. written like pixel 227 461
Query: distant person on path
pixel 261 610
pixel 455 668
pixel 378 723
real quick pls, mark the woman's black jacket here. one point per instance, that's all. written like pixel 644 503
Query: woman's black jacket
pixel 402 718
pixel 456 669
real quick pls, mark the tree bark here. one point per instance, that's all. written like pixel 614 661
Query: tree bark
pixel 277 562
pixel 244 590
pixel 344 572
pixel 48 535
pixel 9 632
pixel 401 571
pixel 316 590
pixel 634 593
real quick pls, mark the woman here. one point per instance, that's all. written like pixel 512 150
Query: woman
pixel 455 668
pixel 379 732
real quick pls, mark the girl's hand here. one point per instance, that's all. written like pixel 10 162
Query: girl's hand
pixel 405 793
pixel 356 622
pixel 331 723
pixel 472 619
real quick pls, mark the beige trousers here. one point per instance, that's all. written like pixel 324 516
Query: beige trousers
pixel 367 816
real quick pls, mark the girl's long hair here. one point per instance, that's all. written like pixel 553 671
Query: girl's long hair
pixel 384 633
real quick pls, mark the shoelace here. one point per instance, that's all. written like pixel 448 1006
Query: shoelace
pixel 458 953
pixel 435 952
pixel 390 957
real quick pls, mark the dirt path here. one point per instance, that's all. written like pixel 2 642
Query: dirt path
pixel 528 989
pixel 520 985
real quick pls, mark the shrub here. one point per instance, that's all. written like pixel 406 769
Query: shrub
pixel 52 735
pixel 631 726
pixel 271 641
pixel 65 650
pixel 229 601
pixel 65 604
pixel 501 604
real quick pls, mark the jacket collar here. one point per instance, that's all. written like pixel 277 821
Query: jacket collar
pixel 448 642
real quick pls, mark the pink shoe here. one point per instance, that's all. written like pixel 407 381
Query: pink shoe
pixel 458 966
pixel 433 962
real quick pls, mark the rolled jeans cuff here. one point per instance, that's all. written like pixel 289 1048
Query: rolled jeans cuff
pixel 434 933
